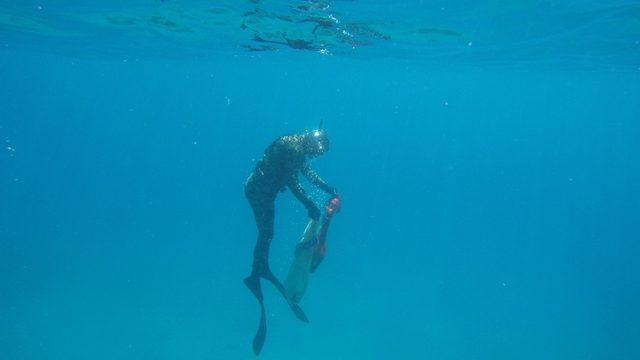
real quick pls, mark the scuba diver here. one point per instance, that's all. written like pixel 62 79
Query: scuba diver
pixel 277 170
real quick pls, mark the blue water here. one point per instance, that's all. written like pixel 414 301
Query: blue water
pixel 489 174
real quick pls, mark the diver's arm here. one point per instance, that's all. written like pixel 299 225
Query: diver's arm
pixel 315 179
pixel 300 194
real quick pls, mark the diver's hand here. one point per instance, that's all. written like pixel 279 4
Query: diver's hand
pixel 333 192
pixel 314 212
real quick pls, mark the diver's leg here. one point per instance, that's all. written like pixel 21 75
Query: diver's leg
pixel 263 211
pixel 264 214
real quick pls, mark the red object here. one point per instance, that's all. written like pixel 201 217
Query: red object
pixel 320 251
pixel 333 205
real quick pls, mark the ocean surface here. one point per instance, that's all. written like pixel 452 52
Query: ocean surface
pixel 487 154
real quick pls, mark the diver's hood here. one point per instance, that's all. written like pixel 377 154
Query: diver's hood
pixel 320 136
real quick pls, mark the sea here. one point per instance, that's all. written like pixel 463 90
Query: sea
pixel 487 156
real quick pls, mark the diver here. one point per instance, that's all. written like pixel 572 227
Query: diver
pixel 277 170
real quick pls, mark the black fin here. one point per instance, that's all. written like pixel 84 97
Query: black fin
pixel 253 283
pixel 297 310
pixel 274 280
pixel 261 334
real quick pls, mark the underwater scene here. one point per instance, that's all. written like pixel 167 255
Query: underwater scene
pixel 319 179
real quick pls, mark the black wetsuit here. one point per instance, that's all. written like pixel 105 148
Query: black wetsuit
pixel 277 170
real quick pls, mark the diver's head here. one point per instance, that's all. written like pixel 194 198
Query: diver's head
pixel 316 143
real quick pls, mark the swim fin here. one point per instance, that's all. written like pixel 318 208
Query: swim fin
pixel 320 251
pixel 297 310
pixel 254 285
pixel 298 276
pixel 261 334
pixel 309 252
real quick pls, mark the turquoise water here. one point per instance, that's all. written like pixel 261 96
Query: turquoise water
pixel 486 153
